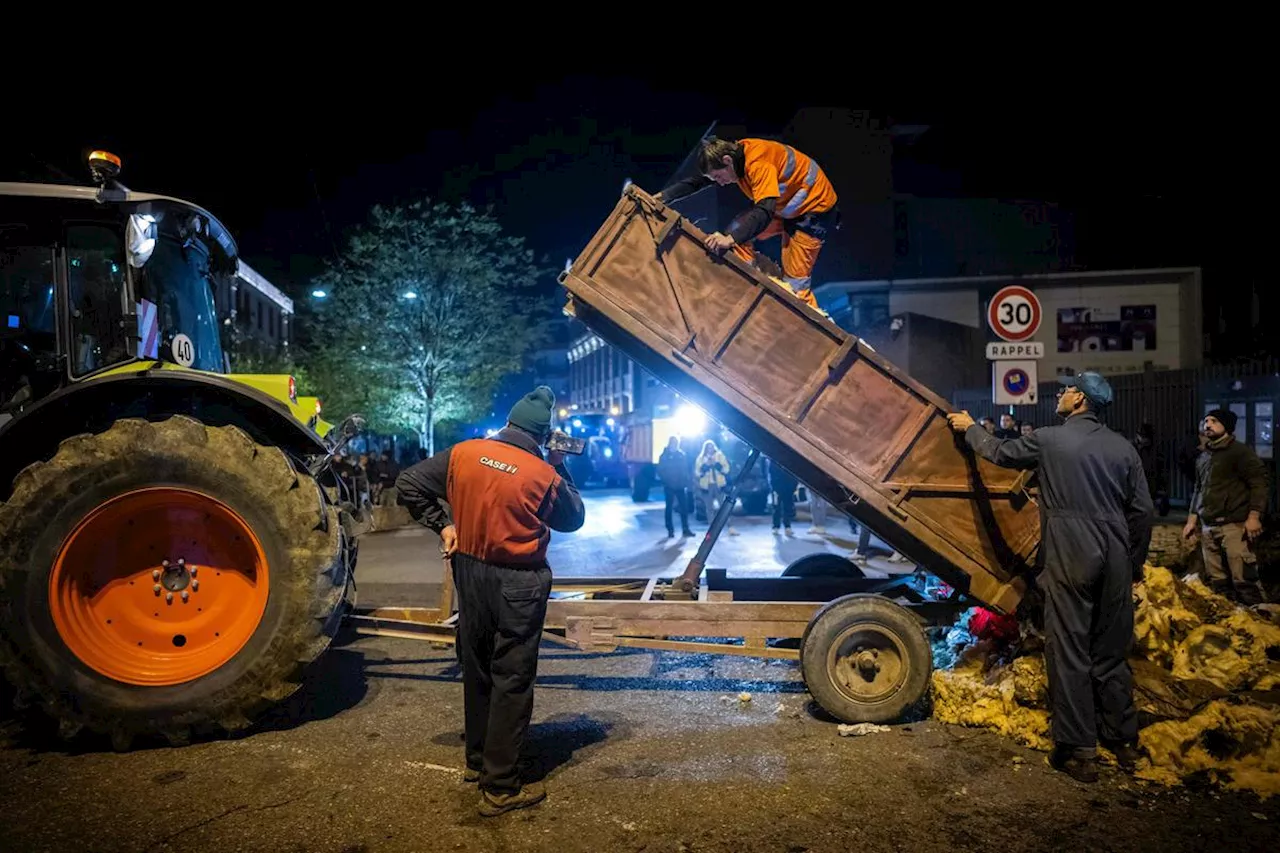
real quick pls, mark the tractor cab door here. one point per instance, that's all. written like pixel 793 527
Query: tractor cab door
pixel 96 298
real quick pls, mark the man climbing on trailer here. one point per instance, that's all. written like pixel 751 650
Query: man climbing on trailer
pixel 1095 517
pixel 505 499
pixel 790 196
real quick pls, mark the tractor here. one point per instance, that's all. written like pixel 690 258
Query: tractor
pixel 174 549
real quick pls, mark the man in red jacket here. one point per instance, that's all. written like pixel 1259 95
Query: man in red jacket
pixel 506 500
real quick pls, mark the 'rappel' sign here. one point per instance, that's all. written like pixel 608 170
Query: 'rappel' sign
pixel 1014 313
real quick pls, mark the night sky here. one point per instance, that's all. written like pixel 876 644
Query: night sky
pixel 551 156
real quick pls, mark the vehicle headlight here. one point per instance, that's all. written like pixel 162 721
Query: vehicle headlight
pixel 141 239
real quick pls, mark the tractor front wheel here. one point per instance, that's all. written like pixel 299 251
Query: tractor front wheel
pixel 160 578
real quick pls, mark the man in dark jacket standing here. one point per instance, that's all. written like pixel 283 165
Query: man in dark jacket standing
pixel 673 471
pixel 1226 509
pixel 1008 427
pixel 1095 520
pixel 783 486
pixel 505 500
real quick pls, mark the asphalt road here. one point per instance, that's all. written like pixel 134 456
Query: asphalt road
pixel 641 751
pixel 620 539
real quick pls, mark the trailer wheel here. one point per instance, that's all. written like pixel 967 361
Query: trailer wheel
pixel 165 579
pixel 865 659
pixel 823 565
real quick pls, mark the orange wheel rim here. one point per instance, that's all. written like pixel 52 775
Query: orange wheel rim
pixel 159 586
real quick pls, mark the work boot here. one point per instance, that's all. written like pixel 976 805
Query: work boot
pixel 1081 765
pixel 1126 754
pixel 495 804
pixel 470 776
pixel 687 532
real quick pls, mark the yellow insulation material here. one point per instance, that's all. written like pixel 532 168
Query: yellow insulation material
pixel 1203 669
pixel 1233 745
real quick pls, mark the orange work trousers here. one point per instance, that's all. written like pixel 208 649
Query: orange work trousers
pixel 799 255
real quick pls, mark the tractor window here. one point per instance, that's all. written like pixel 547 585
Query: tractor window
pixel 176 281
pixel 95 279
pixel 28 342
pixel 26 292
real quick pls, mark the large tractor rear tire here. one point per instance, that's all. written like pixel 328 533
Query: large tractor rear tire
pixel 164 579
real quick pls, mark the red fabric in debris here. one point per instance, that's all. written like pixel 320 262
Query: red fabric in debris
pixel 986 625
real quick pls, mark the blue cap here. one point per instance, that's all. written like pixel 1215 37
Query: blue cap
pixel 1092 385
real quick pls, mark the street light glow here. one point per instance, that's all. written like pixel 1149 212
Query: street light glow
pixel 690 420
pixel 319 294
pixel 409 294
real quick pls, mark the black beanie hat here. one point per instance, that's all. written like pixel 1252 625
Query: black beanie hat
pixel 532 412
pixel 1226 417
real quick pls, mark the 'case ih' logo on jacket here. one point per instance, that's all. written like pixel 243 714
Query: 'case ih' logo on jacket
pixel 500 466
pixel 500 507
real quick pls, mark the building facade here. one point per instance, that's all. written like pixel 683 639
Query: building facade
pixel 1113 321
pixel 601 379
pixel 255 307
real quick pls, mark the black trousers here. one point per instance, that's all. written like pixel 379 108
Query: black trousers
pixel 784 509
pixel 680 498
pixel 1088 589
pixel 500 616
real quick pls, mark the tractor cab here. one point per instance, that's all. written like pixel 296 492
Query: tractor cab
pixel 96 278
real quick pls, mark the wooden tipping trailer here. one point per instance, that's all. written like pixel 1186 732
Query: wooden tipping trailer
pixel 824 405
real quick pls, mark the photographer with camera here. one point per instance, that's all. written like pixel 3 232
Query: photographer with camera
pixel 505 500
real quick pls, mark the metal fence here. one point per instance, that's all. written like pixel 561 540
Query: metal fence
pixel 1172 401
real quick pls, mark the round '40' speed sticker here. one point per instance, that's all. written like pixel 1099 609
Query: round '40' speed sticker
pixel 184 352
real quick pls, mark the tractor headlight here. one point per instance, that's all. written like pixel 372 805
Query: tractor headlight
pixel 141 239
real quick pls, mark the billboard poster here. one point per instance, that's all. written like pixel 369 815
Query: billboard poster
pixel 1130 329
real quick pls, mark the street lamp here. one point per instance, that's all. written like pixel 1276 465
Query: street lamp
pixel 409 294
pixel 319 294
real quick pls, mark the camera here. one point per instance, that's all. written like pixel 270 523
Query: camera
pixel 566 443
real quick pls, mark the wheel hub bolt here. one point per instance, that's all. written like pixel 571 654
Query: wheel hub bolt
pixel 192 570
pixel 164 563
pixel 168 597
pixel 185 595
pixel 182 561
pixel 155 574
pixel 156 588
pixel 195 586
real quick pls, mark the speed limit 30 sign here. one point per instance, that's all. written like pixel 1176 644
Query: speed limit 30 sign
pixel 1014 313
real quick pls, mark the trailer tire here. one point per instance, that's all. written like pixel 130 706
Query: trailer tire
pixel 865 659
pixel 265 604
pixel 823 565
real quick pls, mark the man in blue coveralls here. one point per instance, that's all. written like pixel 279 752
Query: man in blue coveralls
pixel 1095 522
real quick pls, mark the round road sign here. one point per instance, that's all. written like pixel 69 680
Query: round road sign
pixel 1014 313
pixel 1016 381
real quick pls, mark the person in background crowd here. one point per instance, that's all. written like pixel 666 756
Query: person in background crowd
pixel 712 468
pixel 783 485
pixel 1153 465
pixel 1008 427
pixel 673 472
pixel 1026 428
pixel 1226 509
pixel 388 471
